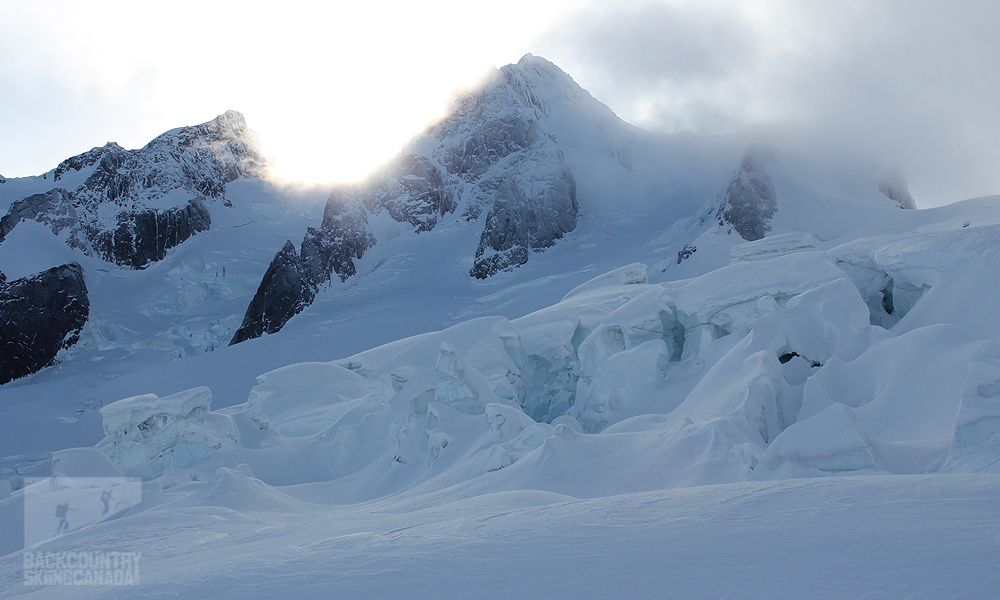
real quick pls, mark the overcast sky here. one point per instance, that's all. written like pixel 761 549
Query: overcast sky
pixel 334 91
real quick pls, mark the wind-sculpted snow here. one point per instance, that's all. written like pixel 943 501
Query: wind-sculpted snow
pixel 894 272
pixel 484 396
pixel 39 316
pixel 773 246
pixel 149 435
pixel 129 207
pixel 767 368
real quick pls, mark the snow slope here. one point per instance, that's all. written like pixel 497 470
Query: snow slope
pixel 626 433
pixel 879 537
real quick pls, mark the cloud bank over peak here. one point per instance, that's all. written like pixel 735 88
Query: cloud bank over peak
pixel 912 83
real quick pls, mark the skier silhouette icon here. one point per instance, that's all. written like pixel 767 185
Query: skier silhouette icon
pixel 106 500
pixel 62 512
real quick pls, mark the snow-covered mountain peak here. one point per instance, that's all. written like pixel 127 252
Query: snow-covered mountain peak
pixel 129 206
pixel 549 81
pixel 533 87
pixel 526 156
pixel 84 160
pixel 232 144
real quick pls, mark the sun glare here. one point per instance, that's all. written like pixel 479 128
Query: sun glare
pixel 333 91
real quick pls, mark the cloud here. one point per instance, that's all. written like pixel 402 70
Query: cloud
pixel 909 82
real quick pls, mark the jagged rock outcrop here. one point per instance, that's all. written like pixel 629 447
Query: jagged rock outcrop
pixel 686 252
pixel 54 206
pixel 490 153
pixel 143 237
pixel 413 191
pixel 133 205
pixel 293 278
pixel 333 248
pixel 533 209
pixel 750 201
pixel 39 316
pixel 284 291
pixel 88 158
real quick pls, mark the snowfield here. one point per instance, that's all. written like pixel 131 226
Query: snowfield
pixel 925 537
pixel 746 433
pixel 652 407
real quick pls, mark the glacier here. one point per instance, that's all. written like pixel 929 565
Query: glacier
pixel 725 368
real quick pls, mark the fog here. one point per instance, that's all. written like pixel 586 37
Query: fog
pixel 913 84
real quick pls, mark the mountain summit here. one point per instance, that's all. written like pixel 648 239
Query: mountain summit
pixel 517 162
pixel 130 206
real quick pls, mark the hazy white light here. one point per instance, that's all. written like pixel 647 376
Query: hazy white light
pixel 333 90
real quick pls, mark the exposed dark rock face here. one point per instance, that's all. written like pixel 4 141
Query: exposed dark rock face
pixel 414 192
pixel 292 280
pixel 144 237
pixel 284 291
pixel 333 248
pixel 192 163
pixel 520 222
pixel 54 206
pixel 489 144
pixel 39 316
pixel 686 252
pixel 88 158
pixel 750 200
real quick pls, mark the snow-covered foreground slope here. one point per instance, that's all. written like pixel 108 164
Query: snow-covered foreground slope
pixel 802 422
pixel 918 537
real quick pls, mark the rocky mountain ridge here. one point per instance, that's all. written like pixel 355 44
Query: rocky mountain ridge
pixel 129 206
pixel 40 315
pixel 497 162
pixel 126 207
